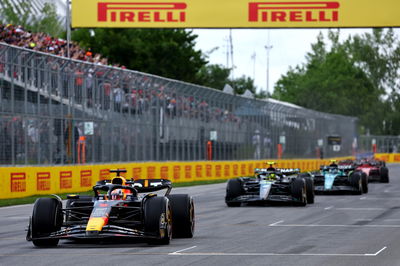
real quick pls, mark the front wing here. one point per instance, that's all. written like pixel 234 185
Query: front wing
pixel 79 232
pixel 334 189
pixel 270 198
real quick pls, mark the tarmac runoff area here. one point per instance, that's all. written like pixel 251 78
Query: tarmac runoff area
pixel 336 230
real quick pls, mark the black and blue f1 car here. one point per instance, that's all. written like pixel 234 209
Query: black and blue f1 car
pixel 271 185
pixel 120 208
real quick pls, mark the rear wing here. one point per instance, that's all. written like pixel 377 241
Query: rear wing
pixel 145 185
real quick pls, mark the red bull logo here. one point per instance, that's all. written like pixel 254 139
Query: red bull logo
pixel 294 12
pixel 141 12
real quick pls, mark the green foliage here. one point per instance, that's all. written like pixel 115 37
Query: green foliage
pixel 242 84
pixel 21 14
pixel 48 22
pixel 16 14
pixel 164 52
pixel 213 76
pixel 350 78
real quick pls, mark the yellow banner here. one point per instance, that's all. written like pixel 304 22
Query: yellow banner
pixel 18 182
pixel 235 14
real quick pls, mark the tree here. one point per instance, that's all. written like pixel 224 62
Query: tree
pixel 333 81
pixel 48 21
pixel 240 85
pixel 213 76
pixel 20 14
pixel 169 53
pixel 16 14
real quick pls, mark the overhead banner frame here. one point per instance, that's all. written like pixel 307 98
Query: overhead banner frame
pixel 235 14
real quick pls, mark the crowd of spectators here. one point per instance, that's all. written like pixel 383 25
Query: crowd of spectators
pixel 42 42
pixel 116 90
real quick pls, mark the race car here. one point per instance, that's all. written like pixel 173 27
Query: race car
pixel 374 169
pixel 271 185
pixel 120 208
pixel 340 178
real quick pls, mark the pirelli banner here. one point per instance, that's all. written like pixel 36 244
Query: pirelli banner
pixel 17 182
pixel 234 14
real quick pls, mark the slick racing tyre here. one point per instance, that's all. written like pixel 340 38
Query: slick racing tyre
pixel 310 190
pixel 364 182
pixel 356 182
pixel 309 187
pixel 158 220
pixel 47 218
pixel 182 215
pixel 384 175
pixel 233 189
pixel 299 192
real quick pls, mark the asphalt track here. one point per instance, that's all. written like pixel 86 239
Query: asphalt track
pixel 336 230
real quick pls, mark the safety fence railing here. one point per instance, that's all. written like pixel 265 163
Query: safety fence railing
pixel 379 144
pixel 54 110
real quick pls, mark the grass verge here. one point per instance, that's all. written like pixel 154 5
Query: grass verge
pixel 31 199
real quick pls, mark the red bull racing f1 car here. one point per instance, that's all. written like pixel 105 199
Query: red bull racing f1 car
pixel 271 185
pixel 120 208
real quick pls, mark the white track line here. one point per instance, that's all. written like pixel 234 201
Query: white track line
pixel 178 251
pixel 376 254
pixel 281 221
pixel 328 208
pixel 282 254
pixel 13 207
pixel 363 198
pixel 339 225
pixel 361 209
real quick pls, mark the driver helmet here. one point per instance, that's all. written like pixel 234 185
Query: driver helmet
pixel 271 176
pixel 117 194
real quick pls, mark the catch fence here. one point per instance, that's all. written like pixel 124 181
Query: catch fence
pixel 54 110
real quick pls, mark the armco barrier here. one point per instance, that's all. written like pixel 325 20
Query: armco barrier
pixel 17 182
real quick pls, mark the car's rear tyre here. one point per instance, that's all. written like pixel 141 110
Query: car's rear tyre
pixel 364 182
pixel 233 189
pixel 356 182
pixel 384 175
pixel 182 215
pixel 158 220
pixel 47 217
pixel 298 189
